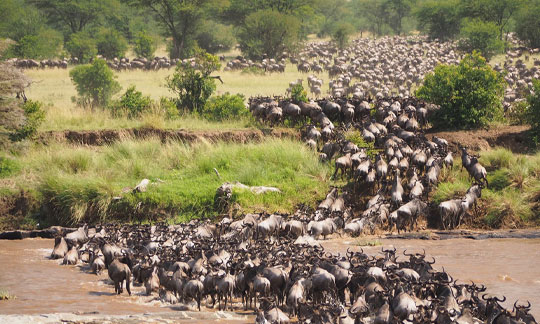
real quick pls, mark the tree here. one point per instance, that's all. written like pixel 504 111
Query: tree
pixel 528 24
pixel 74 14
pixel 180 19
pixel 214 37
pixel 144 45
pixel 45 44
pixel 341 34
pixel 469 94
pixel 532 114
pixel 95 83
pixel 268 32
pixel 82 47
pixel 110 43
pixel 194 84
pixel 399 9
pixel 440 19
pixel 481 36
pixel 499 12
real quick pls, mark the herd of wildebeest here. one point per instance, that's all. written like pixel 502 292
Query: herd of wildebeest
pixel 372 132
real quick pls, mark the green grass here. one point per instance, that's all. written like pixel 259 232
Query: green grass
pixel 513 196
pixel 365 242
pixel 80 183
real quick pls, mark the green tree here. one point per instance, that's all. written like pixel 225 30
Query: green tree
pixel 528 24
pixel 268 32
pixel 399 9
pixel 225 107
pixel 500 12
pixel 144 45
pixel 214 37
pixel 469 94
pixel 74 14
pixel 95 83
pixel 110 43
pixel 481 36
pixel 439 19
pixel 45 44
pixel 194 84
pixel 82 47
pixel 180 20
pixel 342 33
pixel 532 114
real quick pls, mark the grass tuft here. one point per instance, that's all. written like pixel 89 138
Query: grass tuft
pixel 5 295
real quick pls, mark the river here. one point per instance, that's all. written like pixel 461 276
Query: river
pixel 509 267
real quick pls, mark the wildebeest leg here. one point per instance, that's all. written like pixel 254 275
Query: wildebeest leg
pixel 127 285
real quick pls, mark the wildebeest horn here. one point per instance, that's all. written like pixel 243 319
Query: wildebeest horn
pixel 500 300
pixel 405 254
pixel 431 262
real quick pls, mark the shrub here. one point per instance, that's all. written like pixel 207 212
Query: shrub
pixel 132 103
pixel 144 46
pixel 45 44
pixel 110 43
pixel 298 94
pixel 95 83
pixel 341 34
pixel 226 106
pixel 82 47
pixel 194 85
pixel 34 116
pixel 469 94
pixel 532 114
pixel 528 24
pixel 168 107
pixel 268 32
pixel 214 37
pixel 481 36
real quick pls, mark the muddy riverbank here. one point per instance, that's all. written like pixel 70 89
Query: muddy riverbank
pixel 509 267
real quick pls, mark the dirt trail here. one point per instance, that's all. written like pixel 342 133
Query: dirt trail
pixel 103 137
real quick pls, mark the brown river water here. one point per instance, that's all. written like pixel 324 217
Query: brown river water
pixel 509 267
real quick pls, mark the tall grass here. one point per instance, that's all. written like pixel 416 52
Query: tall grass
pixel 79 183
pixel 513 196
pixel 55 89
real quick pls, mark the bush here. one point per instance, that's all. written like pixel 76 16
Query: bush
pixel 268 32
pixel 469 94
pixel 194 85
pixel 481 36
pixel 82 47
pixel 528 24
pixel 298 94
pixel 168 108
pixel 144 46
pixel 532 114
pixel 95 83
pixel 341 34
pixel 214 37
pixel 132 103
pixel 34 116
pixel 226 106
pixel 110 43
pixel 45 44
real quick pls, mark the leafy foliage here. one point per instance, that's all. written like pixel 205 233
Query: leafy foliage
pixel 439 19
pixel 33 117
pixel 95 83
pixel 532 113
pixel 193 84
pixel 268 33
pixel 132 103
pixel 298 94
pixel 110 43
pixel 144 45
pixel 214 37
pixel 226 106
pixel 341 34
pixel 528 24
pixel 469 94
pixel 82 47
pixel 481 36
